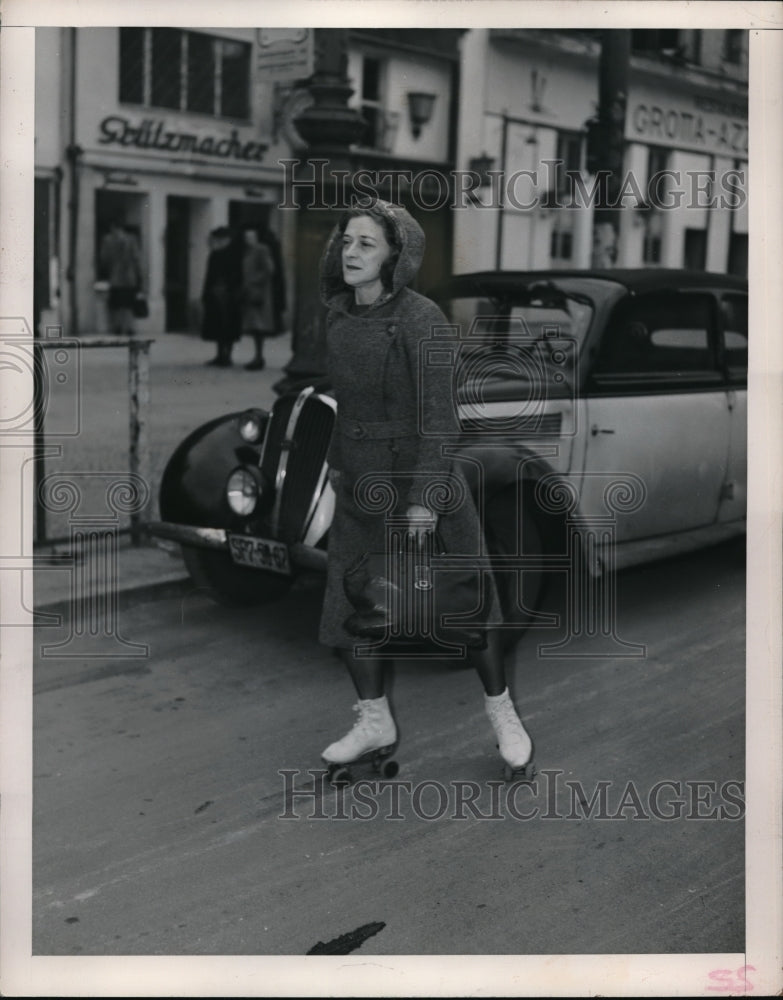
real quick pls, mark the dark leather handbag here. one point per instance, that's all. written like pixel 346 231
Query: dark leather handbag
pixel 401 597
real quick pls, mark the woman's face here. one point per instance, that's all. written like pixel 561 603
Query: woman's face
pixel 365 250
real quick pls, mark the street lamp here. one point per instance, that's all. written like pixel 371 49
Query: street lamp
pixel 420 106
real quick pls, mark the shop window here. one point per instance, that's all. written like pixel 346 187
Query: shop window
pixel 733 43
pixel 166 85
pixel 651 251
pixel 569 159
pixel 371 107
pixel 562 242
pixel 569 162
pixel 695 251
pixel 695 47
pixel 201 73
pixel 234 75
pixel 45 229
pixel 132 65
pixel 738 254
pixel 655 39
pixel 657 162
pixel 184 71
pixel 381 125
pixel 652 242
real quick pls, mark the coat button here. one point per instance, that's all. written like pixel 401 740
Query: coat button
pixel 391 328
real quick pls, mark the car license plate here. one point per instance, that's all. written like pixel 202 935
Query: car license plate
pixel 260 553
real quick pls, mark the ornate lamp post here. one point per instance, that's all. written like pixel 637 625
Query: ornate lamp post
pixel 329 127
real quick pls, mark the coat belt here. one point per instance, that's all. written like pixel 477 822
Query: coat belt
pixel 377 430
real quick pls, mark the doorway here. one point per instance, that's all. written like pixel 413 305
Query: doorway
pixel 45 253
pixel 177 263
pixel 187 229
pixel 129 209
pixel 738 254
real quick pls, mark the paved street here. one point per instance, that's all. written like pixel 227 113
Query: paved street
pixel 163 824
pixel 179 807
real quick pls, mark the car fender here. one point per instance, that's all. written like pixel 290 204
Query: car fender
pixel 546 493
pixel 500 468
pixel 192 489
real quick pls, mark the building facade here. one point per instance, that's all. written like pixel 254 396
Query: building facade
pixel 175 131
pixel 169 130
pixel 526 99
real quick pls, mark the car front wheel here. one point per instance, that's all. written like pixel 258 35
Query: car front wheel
pixel 236 586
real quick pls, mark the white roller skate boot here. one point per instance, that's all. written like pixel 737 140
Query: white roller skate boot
pixel 514 743
pixel 371 739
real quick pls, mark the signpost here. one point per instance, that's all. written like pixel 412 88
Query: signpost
pixel 284 53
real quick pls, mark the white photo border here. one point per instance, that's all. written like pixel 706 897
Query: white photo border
pixel 356 975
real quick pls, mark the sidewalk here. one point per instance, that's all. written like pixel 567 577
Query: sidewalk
pixel 144 573
pixel 184 393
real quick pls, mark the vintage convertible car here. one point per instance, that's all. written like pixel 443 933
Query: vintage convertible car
pixel 603 423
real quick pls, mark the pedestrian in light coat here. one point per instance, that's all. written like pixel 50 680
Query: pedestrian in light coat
pixel 263 291
pixel 393 417
pixel 120 264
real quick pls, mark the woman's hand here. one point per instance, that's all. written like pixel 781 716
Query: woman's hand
pixel 420 520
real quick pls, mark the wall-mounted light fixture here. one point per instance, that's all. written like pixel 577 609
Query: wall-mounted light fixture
pixel 420 106
pixel 482 165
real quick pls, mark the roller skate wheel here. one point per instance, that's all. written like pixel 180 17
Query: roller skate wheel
pixel 524 773
pixel 339 775
pixel 390 768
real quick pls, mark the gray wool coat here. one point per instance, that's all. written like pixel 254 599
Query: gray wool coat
pixel 396 418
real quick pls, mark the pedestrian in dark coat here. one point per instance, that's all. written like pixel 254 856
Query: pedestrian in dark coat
pixel 220 297
pixel 394 415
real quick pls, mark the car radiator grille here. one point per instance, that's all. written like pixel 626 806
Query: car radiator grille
pixel 275 433
pixel 309 445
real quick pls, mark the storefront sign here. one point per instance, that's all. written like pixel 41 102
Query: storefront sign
pixel 151 133
pixel 284 53
pixel 710 126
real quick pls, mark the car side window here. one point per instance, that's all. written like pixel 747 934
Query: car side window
pixel 734 311
pixel 662 338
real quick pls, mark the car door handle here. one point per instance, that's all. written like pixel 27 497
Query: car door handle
pixel 595 430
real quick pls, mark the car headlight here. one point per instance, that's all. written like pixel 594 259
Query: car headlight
pixel 243 489
pixel 251 426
